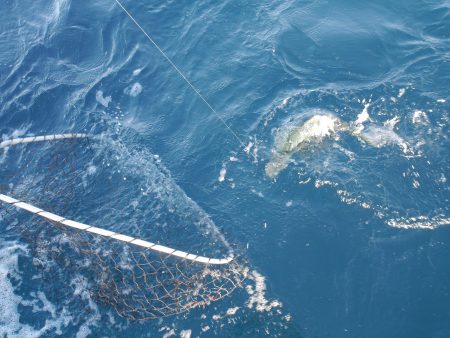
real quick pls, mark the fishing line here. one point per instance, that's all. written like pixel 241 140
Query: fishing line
pixel 181 74
pixel 141 280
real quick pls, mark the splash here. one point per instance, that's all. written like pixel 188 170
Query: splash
pixel 103 100
pixel 363 116
pixel 378 137
pixel 222 174
pixel 257 294
pixel 420 117
pixel 419 222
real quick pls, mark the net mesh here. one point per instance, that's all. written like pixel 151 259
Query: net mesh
pixel 139 283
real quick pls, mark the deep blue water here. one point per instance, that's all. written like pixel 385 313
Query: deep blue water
pixel 352 238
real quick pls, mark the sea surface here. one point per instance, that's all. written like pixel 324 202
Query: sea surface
pixel 350 238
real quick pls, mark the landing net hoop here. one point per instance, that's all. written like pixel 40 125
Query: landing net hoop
pixel 155 281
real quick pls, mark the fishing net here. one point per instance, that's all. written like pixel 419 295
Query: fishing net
pixel 140 280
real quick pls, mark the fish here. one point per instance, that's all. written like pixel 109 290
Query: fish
pixel 313 131
pixel 322 126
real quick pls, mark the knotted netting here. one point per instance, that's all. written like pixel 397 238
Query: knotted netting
pixel 53 188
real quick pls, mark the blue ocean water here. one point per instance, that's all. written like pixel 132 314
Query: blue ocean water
pixel 351 239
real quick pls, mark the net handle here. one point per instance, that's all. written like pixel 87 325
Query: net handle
pixel 88 228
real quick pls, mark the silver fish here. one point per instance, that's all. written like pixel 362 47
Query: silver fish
pixel 312 131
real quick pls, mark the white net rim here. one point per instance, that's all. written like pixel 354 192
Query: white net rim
pixel 92 229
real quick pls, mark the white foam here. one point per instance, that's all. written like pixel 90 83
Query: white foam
pixel 379 137
pixel 222 174
pixel 168 334
pixel 392 122
pixel 104 101
pixel 91 170
pixel 321 183
pixel 348 198
pixel 305 181
pixel 364 115
pixel 11 324
pixel 232 311
pixel 134 90
pixel 185 333
pixel 9 315
pixel 248 147
pixel 420 117
pixel 257 193
pixel 255 152
pixel 442 178
pixel 319 126
pixel 401 92
pixel 81 289
pixel 284 102
pixel 257 294
pixel 419 222
pixel 17 133
pixel 137 71
pixel 83 332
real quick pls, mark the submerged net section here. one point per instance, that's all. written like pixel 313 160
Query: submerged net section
pixel 139 279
